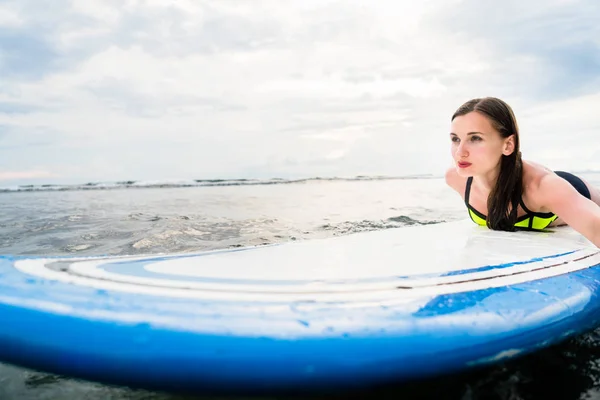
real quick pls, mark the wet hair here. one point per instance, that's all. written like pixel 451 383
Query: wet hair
pixel 504 198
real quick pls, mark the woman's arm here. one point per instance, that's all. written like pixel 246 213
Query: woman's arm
pixel 577 211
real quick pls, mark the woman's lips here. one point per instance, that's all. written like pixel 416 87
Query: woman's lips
pixel 463 164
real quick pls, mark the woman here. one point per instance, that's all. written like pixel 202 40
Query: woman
pixel 503 192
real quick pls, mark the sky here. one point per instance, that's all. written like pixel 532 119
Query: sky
pixel 94 91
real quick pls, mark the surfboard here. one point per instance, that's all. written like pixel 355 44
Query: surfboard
pixel 325 314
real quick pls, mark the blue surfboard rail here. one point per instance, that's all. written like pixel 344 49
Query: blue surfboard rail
pixel 231 346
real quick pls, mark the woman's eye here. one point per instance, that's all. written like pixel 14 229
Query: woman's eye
pixel 475 138
pixel 454 139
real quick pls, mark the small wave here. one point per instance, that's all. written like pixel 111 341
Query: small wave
pixel 37 379
pixel 143 217
pixel 73 248
pixel 348 227
pixel 132 184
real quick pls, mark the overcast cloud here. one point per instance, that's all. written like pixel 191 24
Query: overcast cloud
pixel 96 90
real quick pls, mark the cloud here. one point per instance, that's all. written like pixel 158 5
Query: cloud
pixel 118 95
pixel 24 55
pixel 154 89
pixel 7 107
pixel 551 48
pixel 10 18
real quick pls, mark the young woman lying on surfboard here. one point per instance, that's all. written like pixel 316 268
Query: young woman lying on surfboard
pixel 504 192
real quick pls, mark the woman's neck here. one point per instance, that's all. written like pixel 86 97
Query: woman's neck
pixel 488 181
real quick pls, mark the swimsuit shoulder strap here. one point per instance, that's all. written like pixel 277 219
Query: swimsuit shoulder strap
pixel 468 192
pixel 468 189
pixel 522 204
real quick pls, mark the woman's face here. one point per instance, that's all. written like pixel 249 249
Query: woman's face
pixel 476 146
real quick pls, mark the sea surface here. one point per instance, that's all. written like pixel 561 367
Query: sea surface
pixel 131 217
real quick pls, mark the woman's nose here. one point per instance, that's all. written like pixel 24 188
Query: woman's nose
pixel 461 151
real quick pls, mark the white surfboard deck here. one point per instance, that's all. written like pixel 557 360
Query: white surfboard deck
pixel 432 259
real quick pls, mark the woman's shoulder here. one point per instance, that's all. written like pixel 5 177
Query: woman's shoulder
pixel 534 175
pixel 535 179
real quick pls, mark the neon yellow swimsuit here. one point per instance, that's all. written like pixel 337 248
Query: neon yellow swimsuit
pixel 531 220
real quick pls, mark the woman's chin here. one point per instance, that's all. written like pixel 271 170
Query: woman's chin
pixel 464 172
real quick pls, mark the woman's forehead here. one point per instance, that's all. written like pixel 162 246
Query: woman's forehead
pixel 472 122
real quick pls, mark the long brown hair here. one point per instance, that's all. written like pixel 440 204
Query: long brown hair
pixel 504 198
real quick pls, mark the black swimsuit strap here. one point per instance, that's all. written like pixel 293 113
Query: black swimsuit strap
pixel 522 204
pixel 468 190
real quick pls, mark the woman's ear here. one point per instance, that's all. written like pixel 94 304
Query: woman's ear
pixel 509 145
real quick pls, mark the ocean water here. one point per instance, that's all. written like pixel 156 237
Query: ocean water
pixel 152 217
